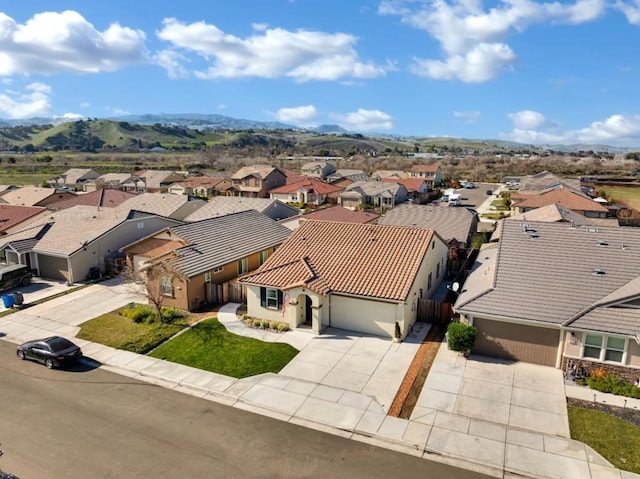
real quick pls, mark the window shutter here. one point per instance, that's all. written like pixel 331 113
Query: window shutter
pixel 279 299
pixel 263 297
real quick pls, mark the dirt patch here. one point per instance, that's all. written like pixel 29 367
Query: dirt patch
pixel 411 387
pixel 630 415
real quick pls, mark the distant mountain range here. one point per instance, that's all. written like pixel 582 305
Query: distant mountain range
pixel 213 122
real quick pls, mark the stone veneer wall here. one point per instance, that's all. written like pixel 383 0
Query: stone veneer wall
pixel 628 374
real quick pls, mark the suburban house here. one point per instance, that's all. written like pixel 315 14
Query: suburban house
pixel 417 188
pixel 57 248
pixel 372 194
pixel 108 180
pixel 545 181
pixel 34 196
pixel 549 293
pixel 224 205
pixel 201 186
pixel 380 175
pixel 12 216
pixel 306 191
pixel 206 257
pixel 335 213
pixel 432 174
pixel 177 207
pixel 152 181
pixel 568 199
pixel 318 169
pixel 558 213
pixel 359 277
pixel 344 177
pixel 256 181
pixel 74 179
pixel 104 198
pixel 456 226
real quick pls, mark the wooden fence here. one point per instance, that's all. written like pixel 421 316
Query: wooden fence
pixel 430 311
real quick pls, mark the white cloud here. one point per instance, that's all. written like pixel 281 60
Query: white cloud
pixel 472 39
pixel 631 10
pixel 301 115
pixel 527 119
pixel 117 111
pixel 467 116
pixel 35 101
pixel 270 53
pixel 72 116
pixel 365 120
pixel 171 61
pixel 85 104
pixel 618 130
pixel 51 42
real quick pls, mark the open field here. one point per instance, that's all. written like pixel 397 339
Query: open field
pixel 622 194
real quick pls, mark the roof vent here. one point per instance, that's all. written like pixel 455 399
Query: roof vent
pixel 591 230
pixel 602 243
pixel 598 272
pixel 533 235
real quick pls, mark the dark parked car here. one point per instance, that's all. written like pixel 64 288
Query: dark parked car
pixel 489 192
pixel 53 352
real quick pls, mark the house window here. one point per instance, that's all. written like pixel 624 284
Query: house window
pixel 207 277
pixel 217 270
pixel 256 182
pixel 243 266
pixel 438 270
pixel 263 256
pixel 140 225
pixel 604 348
pixel 166 286
pixel 246 182
pixel 272 298
pixel 429 281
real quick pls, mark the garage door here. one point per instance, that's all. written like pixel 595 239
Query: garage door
pixel 363 316
pixel 514 341
pixel 53 267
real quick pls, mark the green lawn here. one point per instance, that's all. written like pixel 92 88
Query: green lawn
pixel 209 346
pixel 618 441
pixel 122 333
pixel 629 196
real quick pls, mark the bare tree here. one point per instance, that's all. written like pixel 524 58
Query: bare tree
pixel 158 280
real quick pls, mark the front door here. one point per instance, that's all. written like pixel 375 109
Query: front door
pixel 308 314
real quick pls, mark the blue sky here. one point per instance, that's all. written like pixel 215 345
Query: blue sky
pixel 534 72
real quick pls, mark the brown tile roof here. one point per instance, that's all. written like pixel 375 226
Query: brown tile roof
pixel 200 181
pixel 556 213
pixel 27 195
pixel 153 247
pixel 107 198
pixel 261 171
pixel 314 185
pixel 425 168
pixel 411 184
pixel 341 215
pixel 11 215
pixel 360 259
pixel 566 198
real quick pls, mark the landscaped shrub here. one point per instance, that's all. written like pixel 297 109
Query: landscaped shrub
pixel 461 336
pixel 257 323
pixel 273 325
pixel 606 382
pixel 138 313
pixel 170 314
pixel 282 327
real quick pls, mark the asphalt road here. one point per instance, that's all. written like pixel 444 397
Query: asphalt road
pixel 90 423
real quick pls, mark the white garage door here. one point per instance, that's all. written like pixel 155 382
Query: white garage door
pixel 364 316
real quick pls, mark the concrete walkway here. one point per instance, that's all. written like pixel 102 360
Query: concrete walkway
pixel 496 448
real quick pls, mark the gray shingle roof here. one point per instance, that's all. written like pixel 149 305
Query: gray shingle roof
pixel 548 273
pixel 224 205
pixel 613 320
pixel 449 223
pixel 221 240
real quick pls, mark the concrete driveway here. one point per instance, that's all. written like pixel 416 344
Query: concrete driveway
pixel 514 394
pixel 38 289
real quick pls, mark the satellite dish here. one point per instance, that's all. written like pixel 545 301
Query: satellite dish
pixel 454 287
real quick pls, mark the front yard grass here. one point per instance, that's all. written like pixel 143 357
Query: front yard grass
pixel 617 440
pixel 209 346
pixel 119 332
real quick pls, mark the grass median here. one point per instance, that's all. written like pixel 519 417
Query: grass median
pixel 209 346
pixel 615 439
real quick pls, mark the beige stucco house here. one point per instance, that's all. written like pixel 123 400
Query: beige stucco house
pixel 358 277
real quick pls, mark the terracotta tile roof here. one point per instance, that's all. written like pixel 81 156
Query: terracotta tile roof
pixel 360 259
pixel 11 215
pixel 108 198
pixel 566 198
pixel 411 184
pixel 314 185
pixel 425 168
pixel 341 215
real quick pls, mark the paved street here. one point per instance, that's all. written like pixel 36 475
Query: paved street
pixel 89 423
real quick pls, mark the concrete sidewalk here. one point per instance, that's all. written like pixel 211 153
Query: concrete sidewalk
pixel 500 450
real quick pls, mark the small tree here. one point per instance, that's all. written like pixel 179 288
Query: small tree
pixel 157 282
pixel 397 332
pixel 461 336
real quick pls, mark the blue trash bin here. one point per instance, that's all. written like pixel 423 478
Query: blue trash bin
pixel 8 300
